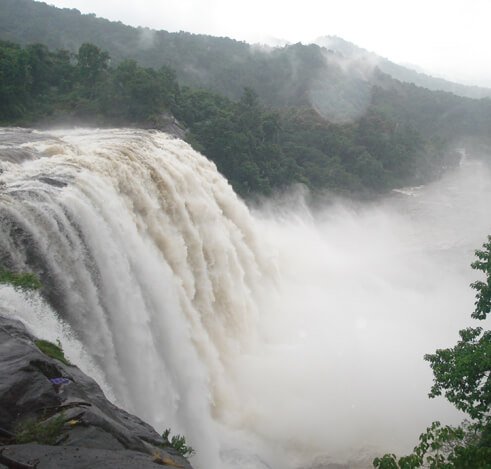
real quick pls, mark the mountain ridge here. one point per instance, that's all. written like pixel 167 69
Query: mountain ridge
pixel 220 64
pixel 401 72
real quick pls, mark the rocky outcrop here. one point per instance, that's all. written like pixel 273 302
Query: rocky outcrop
pixel 60 404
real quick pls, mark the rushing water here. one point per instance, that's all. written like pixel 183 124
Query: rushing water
pixel 269 338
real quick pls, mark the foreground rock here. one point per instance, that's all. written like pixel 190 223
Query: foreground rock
pixel 72 423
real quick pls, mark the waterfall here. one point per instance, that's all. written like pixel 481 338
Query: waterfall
pixel 266 337
pixel 148 255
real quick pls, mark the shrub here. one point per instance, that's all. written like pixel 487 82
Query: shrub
pixel 46 432
pixel 52 350
pixel 24 281
pixel 178 442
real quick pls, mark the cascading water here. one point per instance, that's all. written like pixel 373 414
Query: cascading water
pixel 149 256
pixel 268 338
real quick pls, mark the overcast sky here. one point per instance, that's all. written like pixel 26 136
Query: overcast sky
pixel 448 38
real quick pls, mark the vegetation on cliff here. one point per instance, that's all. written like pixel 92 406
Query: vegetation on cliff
pixel 22 280
pixel 52 350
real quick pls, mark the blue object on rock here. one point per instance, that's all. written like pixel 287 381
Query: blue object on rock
pixel 59 380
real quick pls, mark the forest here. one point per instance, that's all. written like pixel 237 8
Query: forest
pixel 403 138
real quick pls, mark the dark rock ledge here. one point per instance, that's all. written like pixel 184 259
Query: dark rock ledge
pixel 95 433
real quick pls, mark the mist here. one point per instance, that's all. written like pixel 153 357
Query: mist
pixel 342 93
pixel 362 293
pixel 147 38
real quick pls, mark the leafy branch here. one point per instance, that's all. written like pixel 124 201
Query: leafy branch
pixel 178 442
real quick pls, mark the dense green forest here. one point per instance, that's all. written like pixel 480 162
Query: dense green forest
pixel 258 148
pixel 402 138
pixel 336 82
pixel 292 76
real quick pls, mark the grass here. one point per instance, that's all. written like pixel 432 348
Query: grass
pixel 52 350
pixel 24 281
pixel 42 432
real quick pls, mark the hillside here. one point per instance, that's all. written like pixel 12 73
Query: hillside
pixel 268 118
pixel 330 81
pixel 291 76
pixel 351 51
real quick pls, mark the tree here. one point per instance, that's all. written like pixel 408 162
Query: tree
pixel 138 93
pixel 463 375
pixel 91 64
pixel 15 80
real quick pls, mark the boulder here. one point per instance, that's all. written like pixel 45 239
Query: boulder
pixel 90 431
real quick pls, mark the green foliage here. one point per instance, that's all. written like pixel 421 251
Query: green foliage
pixel 52 350
pixel 14 80
pixel 36 83
pixel 91 65
pixel 45 432
pixel 483 297
pixel 445 447
pixel 259 148
pixel 137 94
pixel 178 442
pixel 463 375
pixel 23 281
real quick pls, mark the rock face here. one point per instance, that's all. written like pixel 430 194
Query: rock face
pixel 90 430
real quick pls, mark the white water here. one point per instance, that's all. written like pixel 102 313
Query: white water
pixel 268 339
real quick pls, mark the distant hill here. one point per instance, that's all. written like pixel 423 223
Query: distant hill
pixel 399 72
pixel 294 75
pixel 331 82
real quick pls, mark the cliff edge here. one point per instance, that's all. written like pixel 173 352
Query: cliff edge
pixel 54 416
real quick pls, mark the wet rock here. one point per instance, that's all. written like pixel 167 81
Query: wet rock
pixel 53 182
pixel 95 433
pixel 64 457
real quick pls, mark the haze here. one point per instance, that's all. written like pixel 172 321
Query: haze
pixel 445 38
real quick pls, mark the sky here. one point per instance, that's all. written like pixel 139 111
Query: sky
pixel 446 38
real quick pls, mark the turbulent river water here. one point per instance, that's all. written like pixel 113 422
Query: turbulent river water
pixel 274 337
